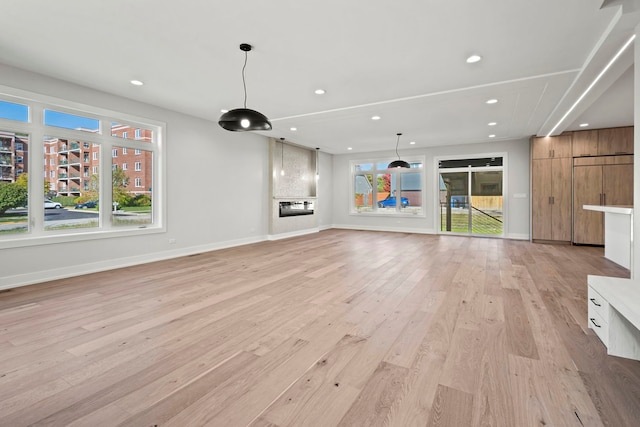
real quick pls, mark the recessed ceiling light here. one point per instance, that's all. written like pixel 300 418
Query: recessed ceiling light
pixel 474 58
pixel 492 101
pixel 224 111
pixel 412 143
pixel 349 148
pixel 320 92
pixel 136 82
pixel 375 118
pixel 584 125
pixel 492 136
pixel 491 124
pixel 293 129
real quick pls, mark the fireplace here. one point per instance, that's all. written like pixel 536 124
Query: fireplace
pixel 296 208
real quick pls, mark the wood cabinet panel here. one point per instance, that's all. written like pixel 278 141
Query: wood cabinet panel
pixel 540 198
pixel 551 147
pixel 585 143
pixel 617 185
pixel 540 148
pixel 561 199
pixel 603 160
pixel 588 226
pixel 615 141
pixel 551 199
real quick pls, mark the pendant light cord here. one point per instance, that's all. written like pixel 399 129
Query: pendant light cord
pixel 398 142
pixel 244 83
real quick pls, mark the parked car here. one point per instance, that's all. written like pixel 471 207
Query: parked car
pixel 89 204
pixel 50 204
pixel 390 202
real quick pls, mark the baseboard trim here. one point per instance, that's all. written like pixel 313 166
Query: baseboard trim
pixel 292 234
pixel 383 228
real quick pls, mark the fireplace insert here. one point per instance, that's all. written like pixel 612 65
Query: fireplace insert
pixel 296 208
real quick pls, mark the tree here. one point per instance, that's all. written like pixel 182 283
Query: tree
pixel 119 182
pixel 23 182
pixel 12 195
pixel 384 182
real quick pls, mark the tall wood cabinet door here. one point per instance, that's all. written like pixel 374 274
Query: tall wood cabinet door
pixel 588 226
pixel 561 199
pixel 540 148
pixel 561 146
pixel 541 199
pixel 615 141
pixel 585 143
pixel 617 184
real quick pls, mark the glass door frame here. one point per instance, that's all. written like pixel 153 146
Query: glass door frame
pixel 437 171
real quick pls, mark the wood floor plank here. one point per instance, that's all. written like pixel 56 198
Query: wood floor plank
pixel 378 395
pixel 415 330
pixel 451 408
pixel 519 334
pixel 317 395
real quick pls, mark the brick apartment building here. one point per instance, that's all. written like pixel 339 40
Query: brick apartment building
pixel 70 164
pixel 14 159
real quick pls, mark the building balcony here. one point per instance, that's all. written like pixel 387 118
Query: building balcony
pixel 70 147
pixel 6 150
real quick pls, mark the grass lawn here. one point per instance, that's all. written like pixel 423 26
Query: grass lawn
pixel 481 224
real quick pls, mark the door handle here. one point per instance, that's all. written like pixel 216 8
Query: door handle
pixel 553 200
pixel 594 322
pixel 593 300
pixel 604 199
pixel 600 199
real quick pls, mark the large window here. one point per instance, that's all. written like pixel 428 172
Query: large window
pixel 68 192
pixel 376 189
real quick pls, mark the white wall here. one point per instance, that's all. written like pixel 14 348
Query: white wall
pixel 325 191
pixel 517 182
pixel 210 204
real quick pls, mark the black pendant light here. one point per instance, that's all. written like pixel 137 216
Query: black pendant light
pixel 244 119
pixel 398 163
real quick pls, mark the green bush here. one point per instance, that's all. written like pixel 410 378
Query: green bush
pixel 141 200
pixel 12 196
pixel 65 200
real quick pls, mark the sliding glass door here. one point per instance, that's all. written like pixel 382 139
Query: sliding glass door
pixel 471 197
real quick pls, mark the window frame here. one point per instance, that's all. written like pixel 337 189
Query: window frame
pixel 35 128
pixel 375 172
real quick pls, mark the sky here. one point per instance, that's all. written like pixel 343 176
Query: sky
pixel 19 112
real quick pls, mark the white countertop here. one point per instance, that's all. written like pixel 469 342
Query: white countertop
pixel 625 210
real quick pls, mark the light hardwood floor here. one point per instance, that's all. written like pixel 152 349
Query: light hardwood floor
pixel 338 328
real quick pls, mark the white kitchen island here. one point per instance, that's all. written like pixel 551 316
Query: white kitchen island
pixel 618 231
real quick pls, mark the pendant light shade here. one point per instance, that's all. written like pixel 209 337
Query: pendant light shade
pixel 244 119
pixel 398 163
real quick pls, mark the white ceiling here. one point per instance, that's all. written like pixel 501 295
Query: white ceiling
pixel 403 61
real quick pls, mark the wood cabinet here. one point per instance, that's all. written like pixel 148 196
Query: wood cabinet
pixel 615 141
pixel 551 188
pixel 551 147
pixel 605 181
pixel 585 143
pixel 603 142
pixel 551 199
